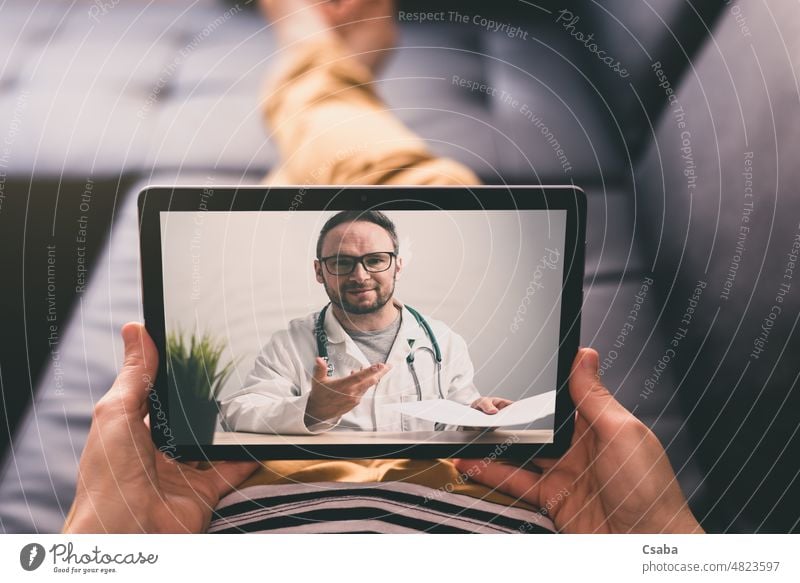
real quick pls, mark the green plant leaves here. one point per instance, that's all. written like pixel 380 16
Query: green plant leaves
pixel 193 364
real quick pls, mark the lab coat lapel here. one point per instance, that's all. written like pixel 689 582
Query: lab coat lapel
pixel 341 342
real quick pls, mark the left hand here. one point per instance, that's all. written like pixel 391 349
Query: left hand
pixel 125 484
pixel 490 405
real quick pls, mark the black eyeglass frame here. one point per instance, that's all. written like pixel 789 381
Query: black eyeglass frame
pixel 358 259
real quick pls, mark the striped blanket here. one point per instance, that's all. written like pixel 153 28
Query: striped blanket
pixel 370 507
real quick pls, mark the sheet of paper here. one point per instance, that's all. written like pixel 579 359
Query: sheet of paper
pixel 452 413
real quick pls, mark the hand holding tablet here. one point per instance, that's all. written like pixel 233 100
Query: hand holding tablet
pixel 615 478
pixel 125 484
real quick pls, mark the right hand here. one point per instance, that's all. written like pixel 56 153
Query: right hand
pixel 616 477
pixel 331 398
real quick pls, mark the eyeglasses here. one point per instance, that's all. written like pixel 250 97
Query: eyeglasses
pixel 371 262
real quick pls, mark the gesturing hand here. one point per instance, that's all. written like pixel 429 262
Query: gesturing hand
pixel 614 478
pixel 331 398
pixel 124 483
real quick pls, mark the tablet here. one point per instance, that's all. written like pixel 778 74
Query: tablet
pixel 362 322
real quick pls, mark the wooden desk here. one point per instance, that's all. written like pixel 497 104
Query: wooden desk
pixel 382 437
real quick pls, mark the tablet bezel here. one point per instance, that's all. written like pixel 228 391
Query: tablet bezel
pixel 155 199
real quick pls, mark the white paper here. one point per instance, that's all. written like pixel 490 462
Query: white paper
pixel 452 413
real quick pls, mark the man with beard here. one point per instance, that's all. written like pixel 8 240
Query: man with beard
pixel 337 368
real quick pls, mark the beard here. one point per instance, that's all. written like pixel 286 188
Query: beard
pixel 382 297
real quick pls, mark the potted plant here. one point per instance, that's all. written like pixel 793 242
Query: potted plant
pixel 196 376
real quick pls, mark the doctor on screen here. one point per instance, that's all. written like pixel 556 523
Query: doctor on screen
pixel 335 369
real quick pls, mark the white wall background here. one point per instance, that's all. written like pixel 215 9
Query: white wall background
pixel 244 275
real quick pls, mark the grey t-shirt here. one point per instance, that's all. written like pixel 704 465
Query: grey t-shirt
pixel 376 344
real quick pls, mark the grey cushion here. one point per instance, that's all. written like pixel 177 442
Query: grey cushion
pixel 502 140
pixel 235 58
pixel 210 131
pixel 417 87
pixel 741 96
pixel 39 474
pixel 613 250
pixel 558 108
pixel 99 85
pixel 77 133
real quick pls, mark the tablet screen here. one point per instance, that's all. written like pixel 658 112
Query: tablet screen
pixel 460 308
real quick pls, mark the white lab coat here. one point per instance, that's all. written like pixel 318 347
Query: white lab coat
pixel 276 391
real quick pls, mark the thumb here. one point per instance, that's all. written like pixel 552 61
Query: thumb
pixel 591 398
pixel 140 351
pixel 138 367
pixel 320 369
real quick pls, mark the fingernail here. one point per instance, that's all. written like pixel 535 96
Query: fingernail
pixel 589 360
pixel 130 334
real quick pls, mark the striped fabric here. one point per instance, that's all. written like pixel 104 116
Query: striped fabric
pixel 373 507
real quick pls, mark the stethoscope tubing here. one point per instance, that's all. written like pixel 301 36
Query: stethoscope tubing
pixel 413 369
pixel 435 352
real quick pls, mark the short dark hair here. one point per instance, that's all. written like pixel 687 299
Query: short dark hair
pixel 375 217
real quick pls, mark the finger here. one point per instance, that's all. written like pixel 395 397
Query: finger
pixel 362 386
pixel 591 398
pixel 225 476
pixel 484 404
pixel 511 480
pixel 138 371
pixel 320 369
pixel 501 403
pixel 366 371
pixel 364 379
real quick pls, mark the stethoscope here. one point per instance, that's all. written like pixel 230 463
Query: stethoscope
pixel 436 353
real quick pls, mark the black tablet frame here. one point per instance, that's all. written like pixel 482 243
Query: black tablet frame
pixel 155 199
